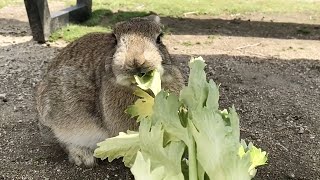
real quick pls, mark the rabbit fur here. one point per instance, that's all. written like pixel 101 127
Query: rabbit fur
pixel 86 88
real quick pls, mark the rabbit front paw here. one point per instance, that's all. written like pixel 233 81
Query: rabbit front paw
pixel 81 156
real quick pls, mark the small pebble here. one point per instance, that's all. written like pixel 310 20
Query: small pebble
pixel 20 98
pixel 291 175
pixel 301 130
pixel 3 97
pixel 21 79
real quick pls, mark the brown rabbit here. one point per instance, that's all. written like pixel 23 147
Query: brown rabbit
pixel 87 87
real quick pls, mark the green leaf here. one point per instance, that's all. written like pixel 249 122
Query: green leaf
pixel 166 111
pixel 256 155
pixel 151 143
pixel 216 133
pixel 150 81
pixel 196 93
pixel 216 149
pixel 141 169
pixel 142 107
pixel 124 145
pixel 192 124
pixel 213 95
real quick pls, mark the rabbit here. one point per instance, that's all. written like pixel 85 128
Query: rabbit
pixel 82 97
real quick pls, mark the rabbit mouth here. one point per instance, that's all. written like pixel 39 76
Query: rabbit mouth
pixel 126 80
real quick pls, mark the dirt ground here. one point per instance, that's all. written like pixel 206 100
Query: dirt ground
pixel 268 67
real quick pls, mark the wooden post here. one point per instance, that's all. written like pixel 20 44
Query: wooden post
pixel 42 24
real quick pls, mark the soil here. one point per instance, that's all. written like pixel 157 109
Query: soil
pixel 267 64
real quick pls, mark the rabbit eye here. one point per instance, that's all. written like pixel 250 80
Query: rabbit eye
pixel 159 38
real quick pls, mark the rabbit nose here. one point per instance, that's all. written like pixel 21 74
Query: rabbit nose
pixel 137 62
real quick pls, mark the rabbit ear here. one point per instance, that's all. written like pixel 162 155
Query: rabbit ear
pixel 154 18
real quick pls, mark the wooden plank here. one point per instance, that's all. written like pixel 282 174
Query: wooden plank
pixel 86 12
pixel 70 14
pixel 42 24
pixel 36 12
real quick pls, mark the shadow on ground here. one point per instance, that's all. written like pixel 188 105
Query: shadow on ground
pixel 212 26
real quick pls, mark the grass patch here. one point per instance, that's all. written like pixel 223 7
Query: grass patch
pixel 102 20
pixel 107 12
pixel 207 42
pixel 211 37
pixel 73 32
pixel 97 17
pixel 211 7
pixel 303 31
pixel 189 43
pixel 4 3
